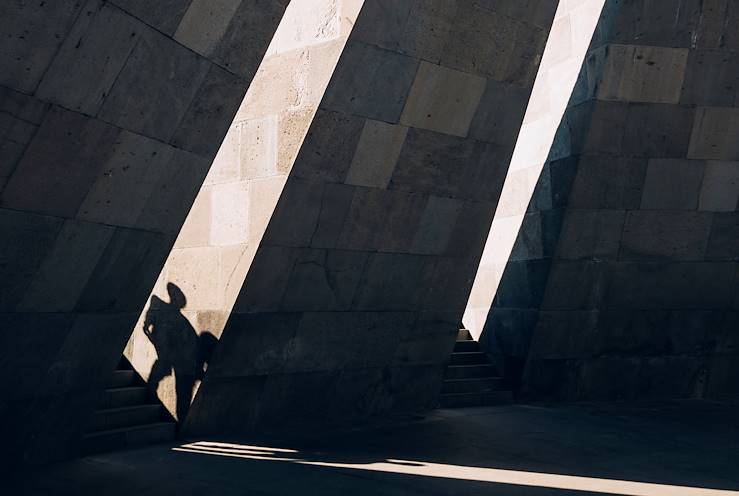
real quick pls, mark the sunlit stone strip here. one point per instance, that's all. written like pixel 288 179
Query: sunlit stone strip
pixel 196 289
pixel 568 42
pixel 591 485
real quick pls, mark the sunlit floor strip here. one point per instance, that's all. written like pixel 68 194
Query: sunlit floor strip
pixel 478 474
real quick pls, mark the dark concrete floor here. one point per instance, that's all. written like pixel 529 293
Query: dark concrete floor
pixel 521 450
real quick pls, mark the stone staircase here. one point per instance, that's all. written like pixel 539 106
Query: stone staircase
pixel 470 379
pixel 127 416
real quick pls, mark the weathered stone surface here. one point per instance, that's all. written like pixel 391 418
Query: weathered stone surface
pixel 370 82
pixel 29 238
pixel 60 164
pixel 156 65
pixel 26 58
pixel 442 100
pixel 103 37
pixel 641 278
pixel 67 267
pixel 385 181
pixel 665 235
pixel 377 153
pixel 92 192
pixel 714 132
pixel 164 15
pixel 672 185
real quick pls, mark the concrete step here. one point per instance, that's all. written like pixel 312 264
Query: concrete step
pixel 126 396
pixel 470 371
pixel 464 335
pixel 477 385
pixel 128 437
pixel 461 346
pixel 114 418
pixel 463 400
pixel 468 358
pixel 122 378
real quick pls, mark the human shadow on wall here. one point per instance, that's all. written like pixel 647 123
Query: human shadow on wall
pixel 180 349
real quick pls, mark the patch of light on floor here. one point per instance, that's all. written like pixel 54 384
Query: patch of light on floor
pixel 459 472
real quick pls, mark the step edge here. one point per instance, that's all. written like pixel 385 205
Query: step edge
pixel 126 388
pixel 449 395
pixel 127 408
pixel 118 430
pixel 472 365
pixel 468 379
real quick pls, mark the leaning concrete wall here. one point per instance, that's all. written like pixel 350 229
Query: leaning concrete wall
pixel 568 42
pixel 635 219
pixel 110 116
pixel 170 345
pixel 351 305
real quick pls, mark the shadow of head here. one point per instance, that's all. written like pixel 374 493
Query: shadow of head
pixel 177 298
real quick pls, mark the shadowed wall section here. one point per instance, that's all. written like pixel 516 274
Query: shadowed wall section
pixel 626 264
pixel 352 303
pixel 568 42
pixel 170 345
pixel 110 115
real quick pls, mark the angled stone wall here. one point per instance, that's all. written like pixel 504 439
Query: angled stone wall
pixel 351 305
pixel 627 267
pixel 568 42
pixel 110 115
pixel 172 340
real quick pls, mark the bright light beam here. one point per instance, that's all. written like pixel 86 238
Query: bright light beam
pixel 459 472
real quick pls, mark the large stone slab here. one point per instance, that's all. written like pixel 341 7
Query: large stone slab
pixel 642 274
pixel 108 125
pixel 388 177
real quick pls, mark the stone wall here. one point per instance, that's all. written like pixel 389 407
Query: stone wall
pixel 110 115
pixel 208 265
pixel 351 305
pixel 632 233
pixel 572 30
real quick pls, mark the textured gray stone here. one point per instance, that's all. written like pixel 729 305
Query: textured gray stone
pixel 713 134
pixel 712 77
pixel 657 131
pixel 436 227
pixel 445 165
pixel 25 58
pixel 20 116
pixel 644 275
pixel 29 238
pixel 591 234
pixel 248 35
pixel 270 274
pixel 92 196
pixel 156 65
pixel 492 121
pixel 722 244
pixel 691 285
pixel 324 281
pixel 608 182
pixel 164 15
pixel 493 44
pixel 67 267
pixel 291 228
pixel 665 235
pixel 672 185
pixel 127 268
pixel 335 205
pixel 60 164
pixel 370 82
pixel 103 37
pixel 206 120
pixel 134 164
pixel 389 282
pixel 325 156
